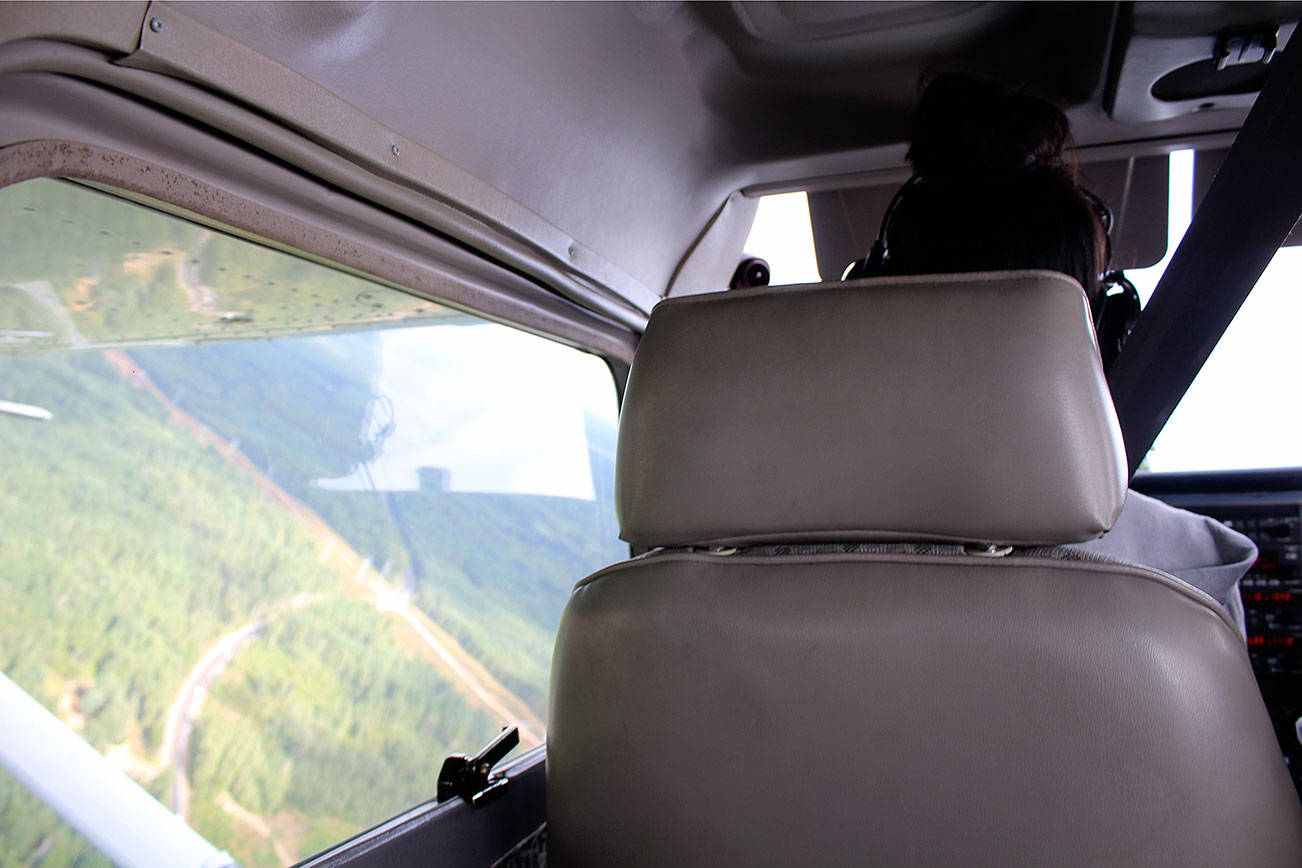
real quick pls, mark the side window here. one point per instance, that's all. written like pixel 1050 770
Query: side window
pixel 781 236
pixel 276 538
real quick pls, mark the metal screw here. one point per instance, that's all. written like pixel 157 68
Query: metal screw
pixel 573 250
pixel 395 150
pixel 156 25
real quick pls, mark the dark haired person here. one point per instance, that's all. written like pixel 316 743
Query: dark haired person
pixel 995 188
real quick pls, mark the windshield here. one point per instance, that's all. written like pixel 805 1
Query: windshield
pixel 1208 429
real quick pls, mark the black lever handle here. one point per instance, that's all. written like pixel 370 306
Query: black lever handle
pixel 469 777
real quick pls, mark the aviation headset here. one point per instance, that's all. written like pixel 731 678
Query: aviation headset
pixel 1118 304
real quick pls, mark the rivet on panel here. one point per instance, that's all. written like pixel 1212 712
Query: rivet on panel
pixel 395 150
pixel 156 25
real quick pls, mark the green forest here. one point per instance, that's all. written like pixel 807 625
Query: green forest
pixel 154 513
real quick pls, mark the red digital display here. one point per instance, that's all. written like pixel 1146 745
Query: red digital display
pixel 1270 641
pixel 1267 597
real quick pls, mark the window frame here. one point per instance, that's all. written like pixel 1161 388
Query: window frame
pixel 358 238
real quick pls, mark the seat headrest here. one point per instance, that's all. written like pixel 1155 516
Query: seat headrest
pixel 964 407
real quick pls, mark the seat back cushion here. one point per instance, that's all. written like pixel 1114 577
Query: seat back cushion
pixel 914 706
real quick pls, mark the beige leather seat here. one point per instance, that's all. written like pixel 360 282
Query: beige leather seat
pixel 835 660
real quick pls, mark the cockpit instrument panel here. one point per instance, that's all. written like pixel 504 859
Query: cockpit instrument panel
pixel 1272 598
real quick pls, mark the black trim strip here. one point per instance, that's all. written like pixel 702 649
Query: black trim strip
pixel 1219 481
pixel 451 834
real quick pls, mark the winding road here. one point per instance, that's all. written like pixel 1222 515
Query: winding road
pixel 184 710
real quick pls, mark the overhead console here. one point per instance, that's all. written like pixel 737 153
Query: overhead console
pixel 1267 507
pixel 1174 59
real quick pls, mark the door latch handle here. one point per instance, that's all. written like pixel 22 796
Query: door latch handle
pixel 471 778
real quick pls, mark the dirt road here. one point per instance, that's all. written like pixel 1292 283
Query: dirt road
pixel 184 710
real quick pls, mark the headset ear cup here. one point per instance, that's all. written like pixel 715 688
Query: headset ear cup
pixel 1118 310
pixel 872 265
pixel 855 270
pixel 875 264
